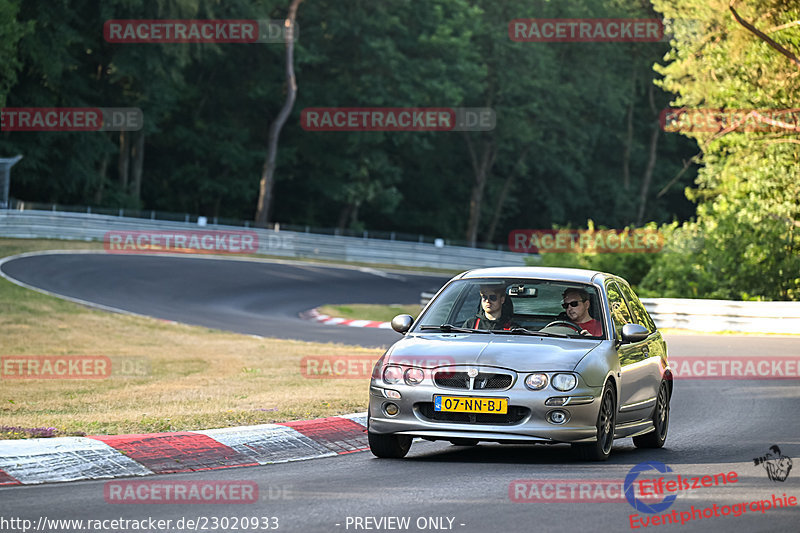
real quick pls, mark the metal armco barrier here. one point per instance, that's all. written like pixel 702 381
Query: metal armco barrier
pixel 715 315
pixel 92 227
pixel 724 315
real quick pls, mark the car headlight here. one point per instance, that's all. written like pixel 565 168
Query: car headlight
pixel 536 381
pixel 392 374
pixel 414 376
pixel 564 382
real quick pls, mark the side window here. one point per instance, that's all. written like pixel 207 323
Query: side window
pixel 639 312
pixel 619 311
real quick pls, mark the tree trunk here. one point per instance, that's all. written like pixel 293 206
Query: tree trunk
pixel 481 170
pixel 268 173
pixel 626 154
pixel 98 194
pixel 137 156
pixel 124 160
pixel 344 214
pixel 651 162
pixel 498 210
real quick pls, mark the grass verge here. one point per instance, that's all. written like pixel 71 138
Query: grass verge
pixel 193 378
pixel 379 313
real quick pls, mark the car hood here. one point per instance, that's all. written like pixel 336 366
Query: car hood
pixel 514 352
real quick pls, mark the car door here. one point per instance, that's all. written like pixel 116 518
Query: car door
pixel 656 347
pixel 637 388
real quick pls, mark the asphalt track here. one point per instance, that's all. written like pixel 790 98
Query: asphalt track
pixel 717 426
pixel 252 297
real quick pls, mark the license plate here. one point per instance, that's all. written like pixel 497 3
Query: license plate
pixel 460 404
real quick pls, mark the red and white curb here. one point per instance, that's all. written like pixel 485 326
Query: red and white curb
pixel 316 316
pixel 34 461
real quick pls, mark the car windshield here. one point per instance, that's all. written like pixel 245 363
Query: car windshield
pixel 516 306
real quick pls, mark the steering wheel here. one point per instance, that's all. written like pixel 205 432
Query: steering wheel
pixel 564 323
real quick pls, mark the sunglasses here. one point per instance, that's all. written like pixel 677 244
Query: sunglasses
pixel 572 304
pixel 490 297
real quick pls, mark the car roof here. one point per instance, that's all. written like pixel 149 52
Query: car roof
pixel 576 275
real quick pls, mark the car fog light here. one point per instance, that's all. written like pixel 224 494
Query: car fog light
pixel 391 394
pixel 558 416
pixel 557 401
pixel 391 409
pixel 564 382
pixel 536 381
pixel 414 376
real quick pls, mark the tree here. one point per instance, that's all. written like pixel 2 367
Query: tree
pixel 267 175
pixel 747 189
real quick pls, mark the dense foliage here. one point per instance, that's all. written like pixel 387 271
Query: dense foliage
pixel 577 133
pixel 559 147
pixel 745 242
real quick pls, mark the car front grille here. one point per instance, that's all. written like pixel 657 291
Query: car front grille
pixel 483 381
pixel 516 414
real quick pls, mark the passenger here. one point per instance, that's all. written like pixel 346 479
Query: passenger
pixel 576 303
pixel 495 312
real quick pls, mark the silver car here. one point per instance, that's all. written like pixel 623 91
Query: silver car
pixel 524 355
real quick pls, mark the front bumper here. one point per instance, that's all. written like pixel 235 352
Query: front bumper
pixel 526 421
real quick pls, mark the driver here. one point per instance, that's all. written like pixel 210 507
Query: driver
pixel 576 303
pixel 493 314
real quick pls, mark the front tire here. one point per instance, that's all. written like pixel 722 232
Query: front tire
pixel 657 437
pixel 600 450
pixel 389 446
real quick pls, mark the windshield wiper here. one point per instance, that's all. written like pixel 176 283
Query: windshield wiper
pixel 447 328
pixel 523 331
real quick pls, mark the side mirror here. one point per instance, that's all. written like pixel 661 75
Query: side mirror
pixel 634 333
pixel 402 323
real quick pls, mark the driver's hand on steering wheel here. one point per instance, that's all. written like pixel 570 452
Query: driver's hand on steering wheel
pixel 586 333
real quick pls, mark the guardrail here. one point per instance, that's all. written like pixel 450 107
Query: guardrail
pixel 715 315
pixel 724 315
pixel 35 224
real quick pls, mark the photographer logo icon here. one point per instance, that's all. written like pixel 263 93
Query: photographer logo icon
pixel 775 463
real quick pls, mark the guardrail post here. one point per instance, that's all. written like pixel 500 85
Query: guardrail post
pixel 5 169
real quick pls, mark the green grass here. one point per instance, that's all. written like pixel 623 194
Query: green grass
pixel 196 378
pixel 379 313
